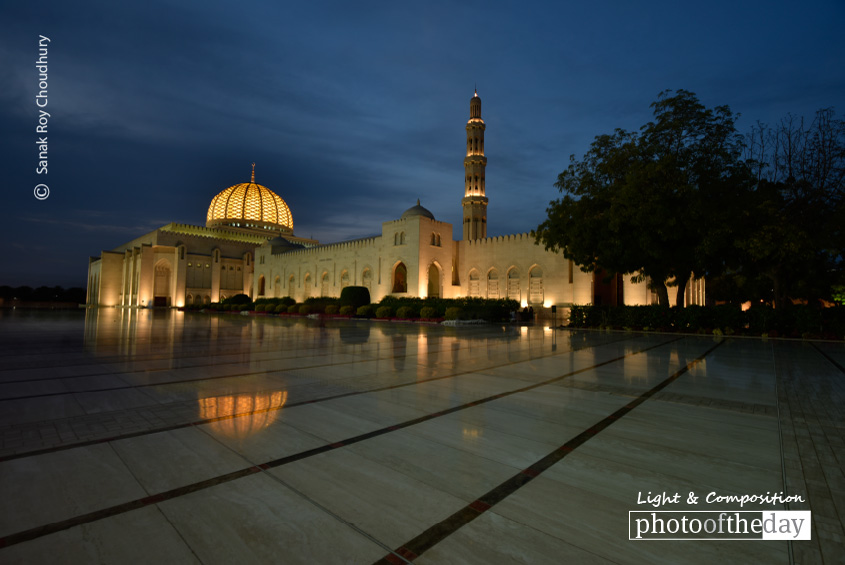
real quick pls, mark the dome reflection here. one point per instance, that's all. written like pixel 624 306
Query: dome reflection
pixel 238 416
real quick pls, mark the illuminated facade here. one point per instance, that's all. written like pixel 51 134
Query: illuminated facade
pixel 415 255
pixel 181 264
pixel 248 247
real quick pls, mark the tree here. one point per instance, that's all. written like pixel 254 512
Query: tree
pixel 797 212
pixel 659 204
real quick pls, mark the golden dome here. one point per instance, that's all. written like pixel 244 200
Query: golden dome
pixel 252 206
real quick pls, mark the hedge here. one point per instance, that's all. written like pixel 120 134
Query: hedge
pixel 793 321
pixel 472 308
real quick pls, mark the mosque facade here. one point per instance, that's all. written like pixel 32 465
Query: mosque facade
pixel 248 246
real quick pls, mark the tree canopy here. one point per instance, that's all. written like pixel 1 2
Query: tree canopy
pixel 796 217
pixel 659 203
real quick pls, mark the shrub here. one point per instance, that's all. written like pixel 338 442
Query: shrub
pixel 428 312
pixel 454 313
pixel 406 312
pixel 305 309
pixel 355 296
pixel 237 299
pixel 347 310
pixel 332 309
pixel 282 308
pixel 293 309
pixel 365 311
pixel 384 312
pixel 260 307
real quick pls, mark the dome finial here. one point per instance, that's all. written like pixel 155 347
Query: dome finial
pixel 418 201
pixel 253 174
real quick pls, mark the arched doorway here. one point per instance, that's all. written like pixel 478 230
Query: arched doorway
pixel 291 286
pixel 161 287
pixel 400 278
pixel 277 287
pixel 434 281
pixel 367 280
pixel 261 285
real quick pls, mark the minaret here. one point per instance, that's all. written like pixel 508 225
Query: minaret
pixel 474 202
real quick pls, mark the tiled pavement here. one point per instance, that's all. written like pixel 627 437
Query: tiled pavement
pixel 165 437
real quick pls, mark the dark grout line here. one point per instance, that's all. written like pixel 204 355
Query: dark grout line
pixel 440 531
pixel 47 529
pixel 828 357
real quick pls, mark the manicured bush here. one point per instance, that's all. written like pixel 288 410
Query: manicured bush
pixel 384 312
pixel 332 309
pixel 237 299
pixel 347 310
pixel 260 307
pixel 282 308
pixel 355 296
pixel 428 312
pixel 365 311
pixel 293 309
pixel 405 312
pixel 305 309
pixel 454 313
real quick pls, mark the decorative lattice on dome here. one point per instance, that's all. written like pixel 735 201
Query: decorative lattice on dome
pixel 249 205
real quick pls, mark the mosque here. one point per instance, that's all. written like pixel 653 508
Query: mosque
pixel 248 246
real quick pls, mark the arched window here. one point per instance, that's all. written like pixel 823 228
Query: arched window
pixel 492 284
pixel 291 286
pixel 261 285
pixel 324 284
pixel 474 284
pixel 400 278
pixel 307 285
pixel 535 286
pixel 367 279
pixel 438 240
pixel 277 287
pixel 344 279
pixel 433 239
pixel 513 284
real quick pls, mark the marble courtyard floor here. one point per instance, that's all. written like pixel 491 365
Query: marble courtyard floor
pixel 166 437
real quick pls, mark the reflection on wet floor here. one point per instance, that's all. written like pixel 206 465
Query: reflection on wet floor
pixel 142 435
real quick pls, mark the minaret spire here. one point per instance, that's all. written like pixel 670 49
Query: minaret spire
pixel 253 174
pixel 474 201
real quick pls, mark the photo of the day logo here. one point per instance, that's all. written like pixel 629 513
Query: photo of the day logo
pixel 719 525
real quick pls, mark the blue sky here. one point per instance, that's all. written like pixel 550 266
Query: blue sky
pixel 352 111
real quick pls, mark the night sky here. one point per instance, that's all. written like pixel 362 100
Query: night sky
pixel 353 110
